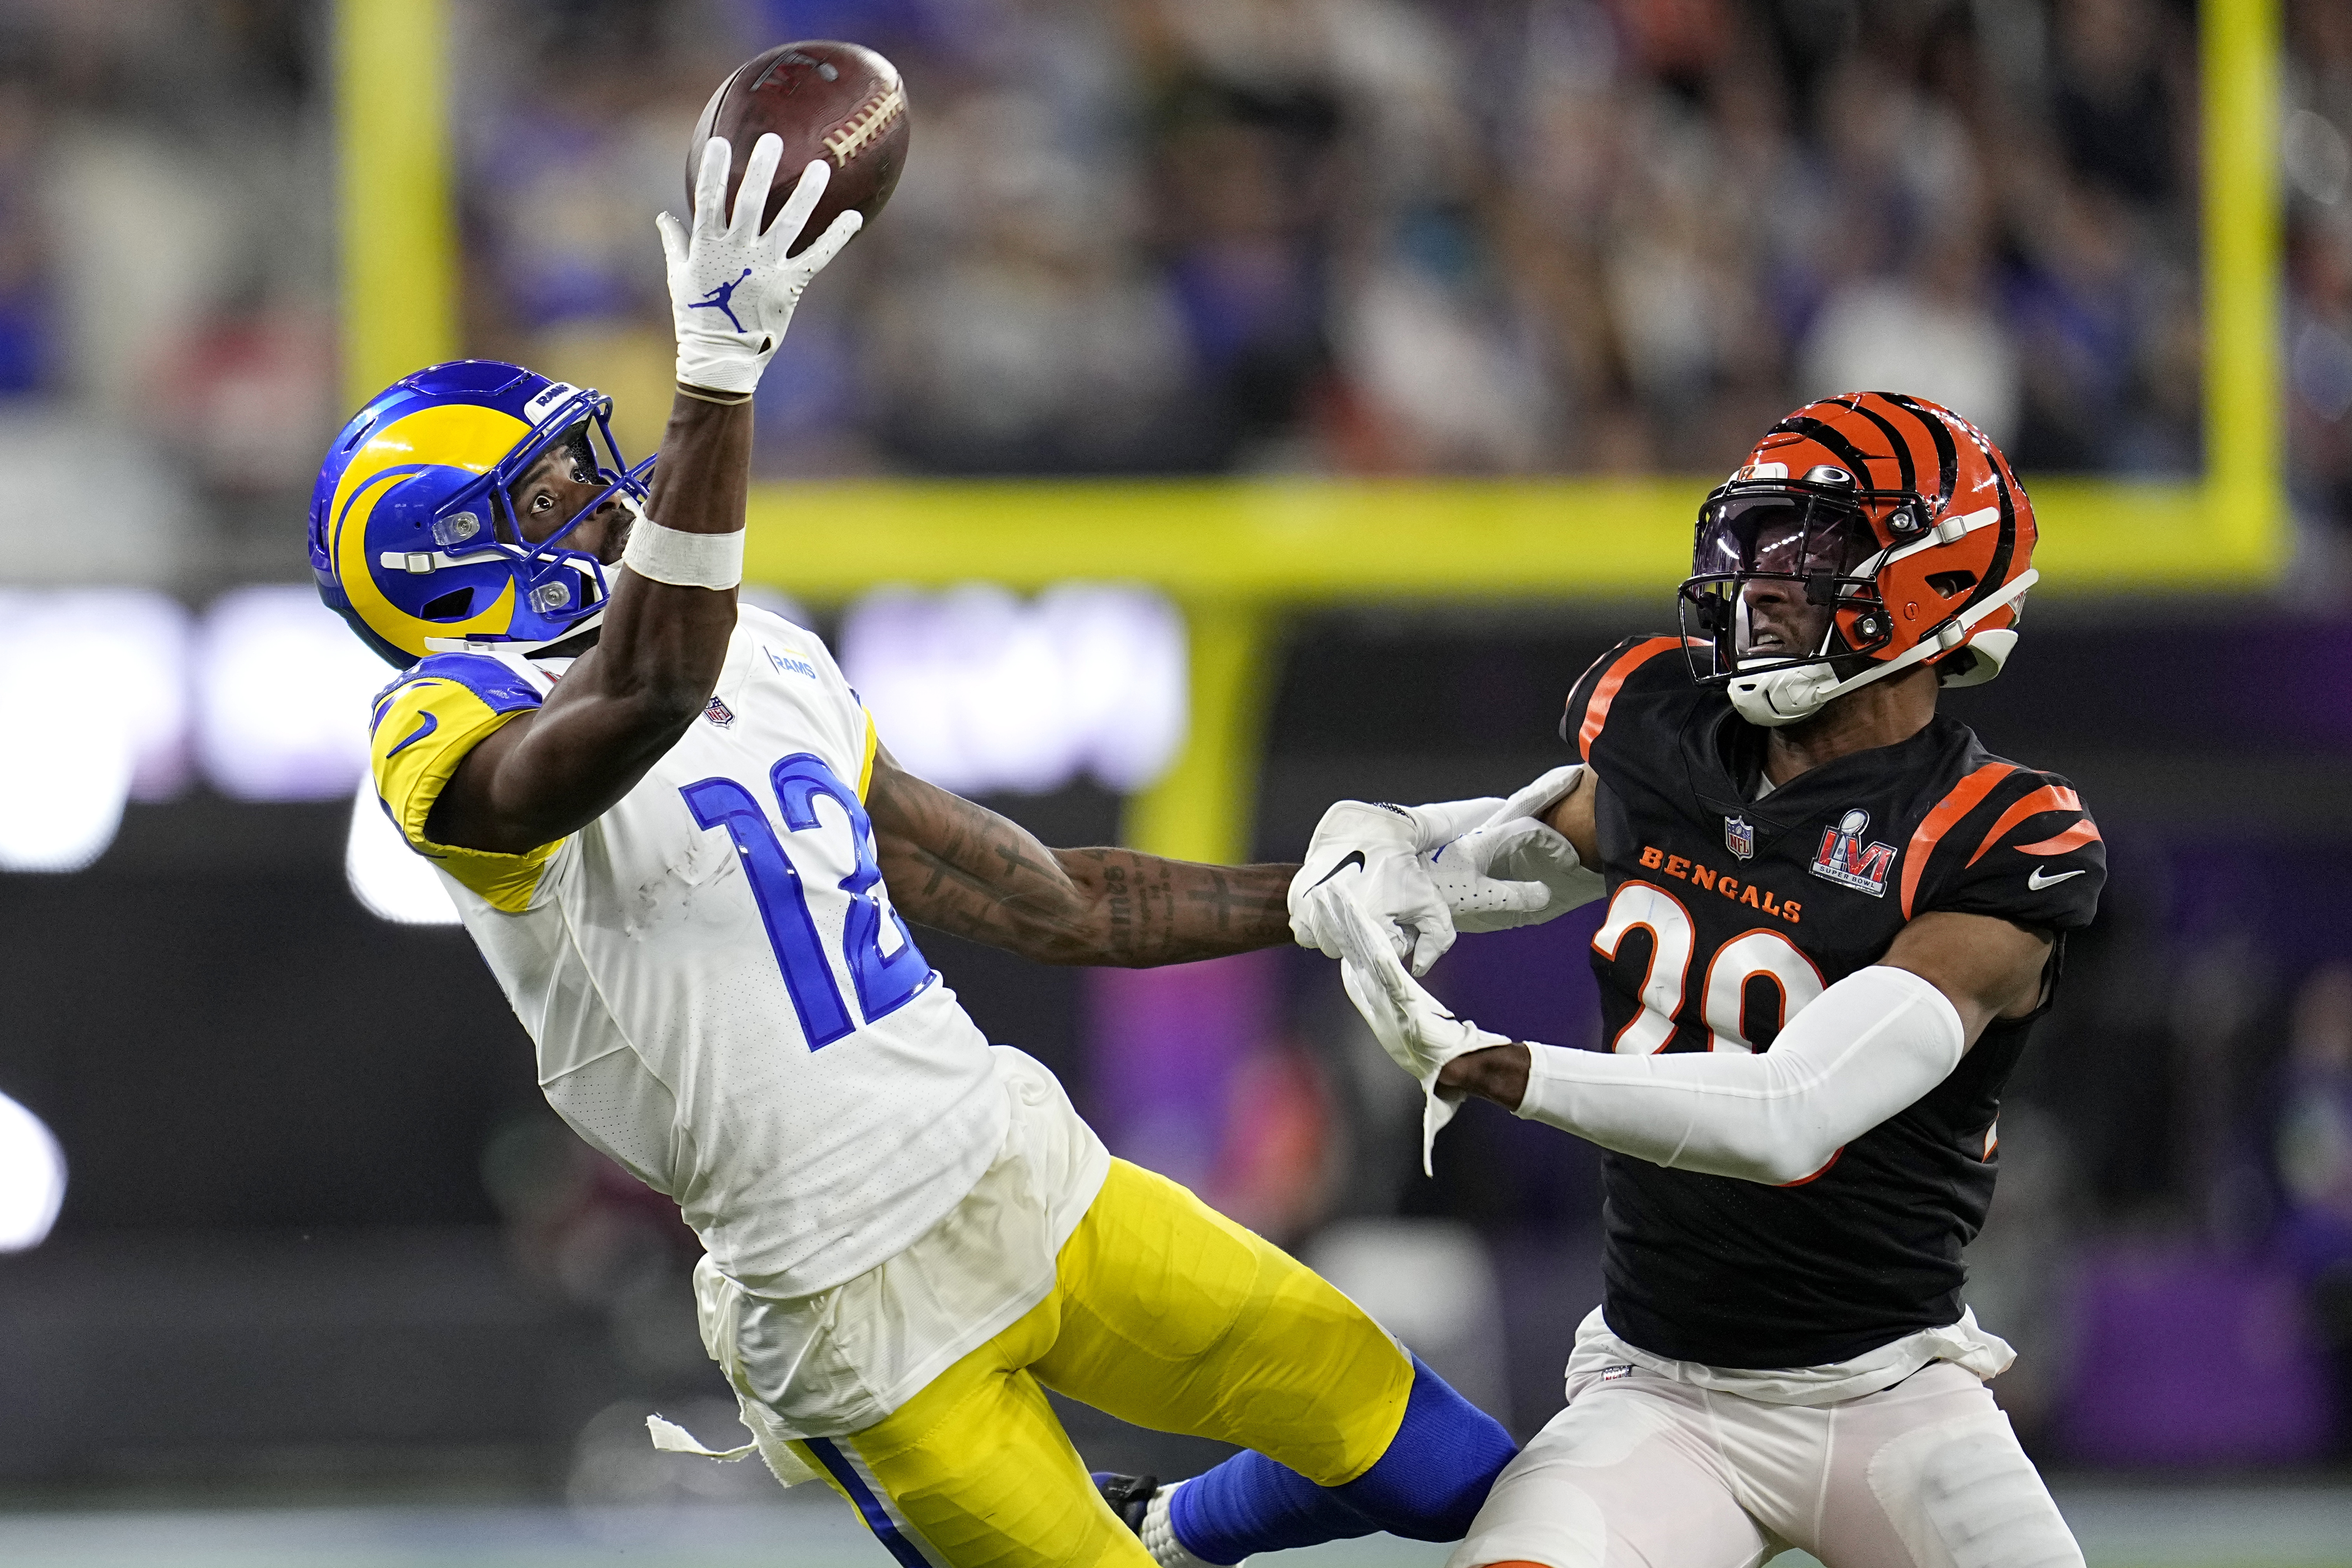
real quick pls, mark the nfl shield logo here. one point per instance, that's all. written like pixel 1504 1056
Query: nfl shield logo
pixel 720 713
pixel 1740 836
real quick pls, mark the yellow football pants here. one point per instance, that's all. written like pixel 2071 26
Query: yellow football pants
pixel 1164 1313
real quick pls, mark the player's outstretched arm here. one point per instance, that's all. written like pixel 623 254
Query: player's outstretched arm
pixel 962 868
pixel 1861 1051
pixel 626 701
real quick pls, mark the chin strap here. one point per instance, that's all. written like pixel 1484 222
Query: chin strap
pixel 505 644
pixel 1778 693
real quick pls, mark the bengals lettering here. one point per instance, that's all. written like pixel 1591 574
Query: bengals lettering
pixel 1657 859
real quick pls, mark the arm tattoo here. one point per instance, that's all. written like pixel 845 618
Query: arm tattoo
pixel 961 868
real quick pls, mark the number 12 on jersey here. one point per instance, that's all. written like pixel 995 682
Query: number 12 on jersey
pixel 884 983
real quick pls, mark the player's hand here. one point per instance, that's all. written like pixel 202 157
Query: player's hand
pixel 1509 873
pixel 1378 850
pixel 731 287
pixel 1415 1028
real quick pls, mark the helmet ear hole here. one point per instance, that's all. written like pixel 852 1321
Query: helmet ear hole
pixel 1951 585
pixel 1978 661
pixel 453 605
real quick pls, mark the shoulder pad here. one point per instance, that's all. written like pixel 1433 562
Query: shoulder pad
pixel 1633 668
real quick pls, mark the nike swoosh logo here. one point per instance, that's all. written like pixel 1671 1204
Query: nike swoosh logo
pixel 1353 857
pixel 425 725
pixel 2038 881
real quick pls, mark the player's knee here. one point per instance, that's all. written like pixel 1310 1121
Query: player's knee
pixel 1551 1527
pixel 1980 1503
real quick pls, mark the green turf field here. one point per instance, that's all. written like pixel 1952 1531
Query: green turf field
pixel 2167 1527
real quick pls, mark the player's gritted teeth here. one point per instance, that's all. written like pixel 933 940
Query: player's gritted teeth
pixel 1778 620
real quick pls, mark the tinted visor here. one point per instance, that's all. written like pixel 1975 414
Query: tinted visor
pixel 1782 534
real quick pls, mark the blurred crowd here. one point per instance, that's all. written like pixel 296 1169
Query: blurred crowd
pixel 1399 236
pixel 1199 236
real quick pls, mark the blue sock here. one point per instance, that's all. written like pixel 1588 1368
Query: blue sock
pixel 1427 1486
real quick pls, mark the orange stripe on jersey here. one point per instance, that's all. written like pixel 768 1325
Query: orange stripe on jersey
pixel 1596 711
pixel 1948 811
pixel 2049 798
pixel 2082 832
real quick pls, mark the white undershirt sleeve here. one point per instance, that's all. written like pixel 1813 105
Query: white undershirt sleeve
pixel 1864 1049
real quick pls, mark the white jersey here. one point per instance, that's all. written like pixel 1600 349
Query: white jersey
pixel 722 997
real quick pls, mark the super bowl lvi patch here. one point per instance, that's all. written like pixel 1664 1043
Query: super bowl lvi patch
pixel 1844 859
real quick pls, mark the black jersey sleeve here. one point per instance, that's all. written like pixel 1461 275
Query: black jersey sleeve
pixel 1636 673
pixel 2008 842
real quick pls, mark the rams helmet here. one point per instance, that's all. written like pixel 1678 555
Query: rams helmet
pixel 412 538
pixel 1899 516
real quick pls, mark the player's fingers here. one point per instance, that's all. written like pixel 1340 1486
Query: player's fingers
pixel 751 195
pixel 1369 1003
pixel 1317 924
pixel 1373 947
pixel 838 233
pixel 1389 1026
pixel 1429 943
pixel 816 175
pixel 673 237
pixel 1332 909
pixel 1519 898
pixel 1370 945
pixel 711 185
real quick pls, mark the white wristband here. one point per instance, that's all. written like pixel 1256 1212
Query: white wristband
pixel 684 560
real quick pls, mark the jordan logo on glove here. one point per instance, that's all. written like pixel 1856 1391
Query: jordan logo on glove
pixel 719 298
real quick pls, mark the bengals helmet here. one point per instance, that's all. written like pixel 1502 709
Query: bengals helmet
pixel 412 538
pixel 1899 516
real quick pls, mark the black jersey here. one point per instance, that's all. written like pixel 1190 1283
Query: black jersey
pixel 1728 911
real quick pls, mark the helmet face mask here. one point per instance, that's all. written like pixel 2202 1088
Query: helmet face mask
pixel 415 539
pixel 1902 540
pixel 1823 540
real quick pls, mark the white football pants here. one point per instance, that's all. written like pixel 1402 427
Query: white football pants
pixel 1643 1471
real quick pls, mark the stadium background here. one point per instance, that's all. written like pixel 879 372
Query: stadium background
pixel 1240 404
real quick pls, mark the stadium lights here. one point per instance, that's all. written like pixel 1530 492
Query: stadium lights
pixel 32 1178
pixel 976 691
pixel 282 690
pixel 973 689
pixel 93 696
pixel 111 694
pixel 392 881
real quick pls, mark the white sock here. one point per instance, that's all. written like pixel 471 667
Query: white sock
pixel 1160 1536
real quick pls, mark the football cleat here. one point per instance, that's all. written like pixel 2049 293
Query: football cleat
pixel 412 538
pixel 1142 1504
pixel 1129 1495
pixel 1899 516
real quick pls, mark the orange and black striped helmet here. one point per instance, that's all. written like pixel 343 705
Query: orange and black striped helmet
pixel 1898 515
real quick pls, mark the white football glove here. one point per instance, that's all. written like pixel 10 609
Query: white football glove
pixel 1415 1029
pixel 1380 849
pixel 1515 873
pixel 731 287
pixel 1482 865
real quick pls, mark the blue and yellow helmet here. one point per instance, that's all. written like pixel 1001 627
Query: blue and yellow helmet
pixel 412 538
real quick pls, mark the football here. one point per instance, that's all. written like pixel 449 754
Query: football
pixel 842 102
